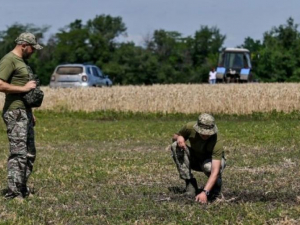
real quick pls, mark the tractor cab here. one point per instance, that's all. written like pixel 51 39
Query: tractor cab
pixel 234 65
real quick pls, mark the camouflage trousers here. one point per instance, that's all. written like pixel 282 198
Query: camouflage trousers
pixel 20 134
pixel 185 163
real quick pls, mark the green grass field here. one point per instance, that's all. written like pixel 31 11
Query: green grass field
pixel 113 168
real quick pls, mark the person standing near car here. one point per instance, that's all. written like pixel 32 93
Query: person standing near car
pixel 18 117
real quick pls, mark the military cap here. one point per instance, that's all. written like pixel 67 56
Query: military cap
pixel 30 39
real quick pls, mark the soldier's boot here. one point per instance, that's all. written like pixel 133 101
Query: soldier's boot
pixel 216 190
pixel 11 195
pixel 13 191
pixel 191 187
pixel 25 191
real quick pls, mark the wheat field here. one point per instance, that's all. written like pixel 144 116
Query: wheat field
pixel 182 98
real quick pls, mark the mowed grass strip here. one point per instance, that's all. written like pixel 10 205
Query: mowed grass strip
pixel 113 168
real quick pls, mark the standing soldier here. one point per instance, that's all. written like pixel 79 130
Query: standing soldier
pixel 204 154
pixel 18 117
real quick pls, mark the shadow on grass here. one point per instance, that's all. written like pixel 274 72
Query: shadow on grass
pixel 4 191
pixel 260 196
pixel 177 195
pixel 176 190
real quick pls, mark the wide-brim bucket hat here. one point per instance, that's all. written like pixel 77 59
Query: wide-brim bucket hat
pixel 206 125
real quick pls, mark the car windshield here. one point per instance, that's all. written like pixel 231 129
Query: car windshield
pixel 70 70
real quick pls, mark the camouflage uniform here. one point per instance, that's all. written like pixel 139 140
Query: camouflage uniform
pixel 199 155
pixel 20 134
pixel 185 162
pixel 19 120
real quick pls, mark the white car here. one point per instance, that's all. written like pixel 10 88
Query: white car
pixel 79 75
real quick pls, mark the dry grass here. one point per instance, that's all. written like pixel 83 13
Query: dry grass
pixel 195 98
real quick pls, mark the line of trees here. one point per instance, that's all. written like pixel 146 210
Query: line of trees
pixel 165 57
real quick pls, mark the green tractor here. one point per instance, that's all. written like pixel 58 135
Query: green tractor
pixel 234 66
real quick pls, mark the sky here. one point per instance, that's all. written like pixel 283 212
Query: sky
pixel 237 19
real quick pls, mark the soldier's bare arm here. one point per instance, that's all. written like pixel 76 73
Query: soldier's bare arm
pixel 215 170
pixel 8 88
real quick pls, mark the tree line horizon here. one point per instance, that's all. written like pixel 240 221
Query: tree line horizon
pixel 166 57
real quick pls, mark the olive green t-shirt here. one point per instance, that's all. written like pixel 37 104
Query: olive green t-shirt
pixel 15 71
pixel 202 149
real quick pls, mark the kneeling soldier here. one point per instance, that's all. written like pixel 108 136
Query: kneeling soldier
pixel 204 154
